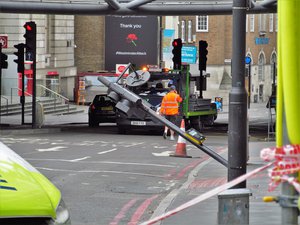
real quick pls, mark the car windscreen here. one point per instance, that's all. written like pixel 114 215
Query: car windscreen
pixel 154 97
pixel 102 100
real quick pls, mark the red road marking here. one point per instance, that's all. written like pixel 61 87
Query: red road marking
pixel 190 166
pixel 140 210
pixel 121 214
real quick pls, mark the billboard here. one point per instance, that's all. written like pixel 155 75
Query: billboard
pixel 131 39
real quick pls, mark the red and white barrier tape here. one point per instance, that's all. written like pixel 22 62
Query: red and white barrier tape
pixel 206 195
pixel 287 161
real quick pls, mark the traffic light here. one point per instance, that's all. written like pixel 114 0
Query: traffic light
pixel 3 60
pixel 177 45
pixel 30 40
pixel 202 54
pixel 20 57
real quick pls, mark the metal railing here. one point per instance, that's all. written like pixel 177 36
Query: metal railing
pixel 19 89
pixel 56 96
pixel 53 94
pixel 6 99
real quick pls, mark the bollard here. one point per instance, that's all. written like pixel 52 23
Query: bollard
pixel 234 206
pixel 40 116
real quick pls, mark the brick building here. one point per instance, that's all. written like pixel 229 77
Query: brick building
pixel 261 30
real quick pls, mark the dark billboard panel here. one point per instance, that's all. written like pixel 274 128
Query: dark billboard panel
pixel 131 39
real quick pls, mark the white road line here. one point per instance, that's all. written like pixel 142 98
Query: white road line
pixel 54 149
pixel 100 171
pixel 134 144
pixel 103 162
pixel 111 150
pixel 165 153
pixel 80 159
pixel 159 147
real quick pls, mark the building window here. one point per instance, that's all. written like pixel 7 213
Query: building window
pixel 190 35
pixel 273 67
pixel 252 21
pixel 202 24
pixel 247 18
pixel 271 23
pixel 183 31
pixel 261 67
pixel 262 24
pixel 276 23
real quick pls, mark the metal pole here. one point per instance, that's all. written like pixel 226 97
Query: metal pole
pixel 0 81
pixel 237 133
pixel 289 215
pixel 201 83
pixel 249 85
pixel 23 99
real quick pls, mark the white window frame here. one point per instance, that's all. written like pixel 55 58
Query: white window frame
pixel 271 23
pixel 190 34
pixel 261 67
pixel 247 21
pixel 202 23
pixel 262 23
pixel 182 31
pixel 276 23
pixel 252 22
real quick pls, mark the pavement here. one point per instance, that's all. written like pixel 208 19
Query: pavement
pixel 203 178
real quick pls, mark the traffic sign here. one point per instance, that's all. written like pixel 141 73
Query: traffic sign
pixel 247 60
pixel 120 68
pixel 188 54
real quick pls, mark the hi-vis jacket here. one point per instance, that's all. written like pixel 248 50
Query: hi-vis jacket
pixel 169 104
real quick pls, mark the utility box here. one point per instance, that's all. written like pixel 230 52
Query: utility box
pixel 234 206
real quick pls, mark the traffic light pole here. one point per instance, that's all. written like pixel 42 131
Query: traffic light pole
pixel 0 81
pixel 237 128
pixel 201 84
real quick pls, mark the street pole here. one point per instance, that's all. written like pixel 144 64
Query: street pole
pixel 237 129
pixel 0 81
pixel 249 85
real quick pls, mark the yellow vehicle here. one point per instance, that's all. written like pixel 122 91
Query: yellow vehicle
pixel 26 196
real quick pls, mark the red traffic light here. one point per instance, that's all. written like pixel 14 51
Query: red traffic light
pixel 177 43
pixel 28 27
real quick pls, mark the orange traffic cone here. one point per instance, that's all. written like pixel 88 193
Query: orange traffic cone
pixel 181 144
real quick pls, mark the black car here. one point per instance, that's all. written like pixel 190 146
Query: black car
pixel 153 97
pixel 101 110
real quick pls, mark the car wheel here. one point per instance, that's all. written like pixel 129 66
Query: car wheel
pixel 121 130
pixel 93 123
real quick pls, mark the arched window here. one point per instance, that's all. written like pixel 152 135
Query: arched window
pixel 273 66
pixel 261 67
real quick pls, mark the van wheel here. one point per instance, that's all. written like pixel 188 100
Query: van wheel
pixel 196 123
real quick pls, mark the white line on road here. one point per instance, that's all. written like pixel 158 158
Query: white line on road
pixel 103 162
pixel 100 171
pixel 54 149
pixel 134 144
pixel 80 159
pixel 111 150
pixel 165 153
